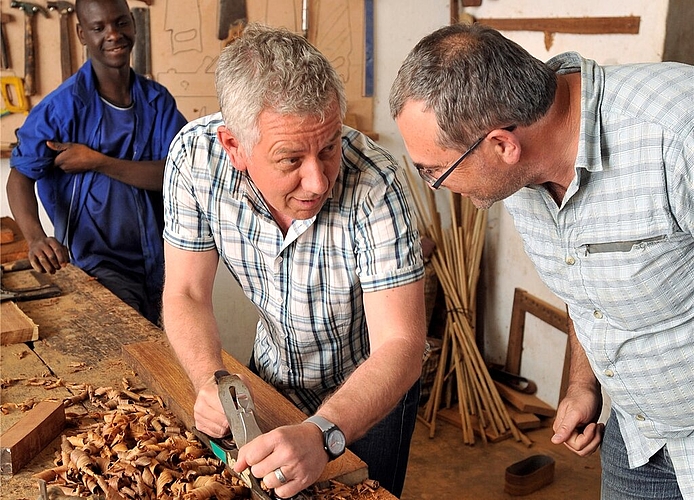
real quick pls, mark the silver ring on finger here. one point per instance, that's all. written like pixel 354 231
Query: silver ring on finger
pixel 280 477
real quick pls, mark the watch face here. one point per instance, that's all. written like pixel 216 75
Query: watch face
pixel 336 442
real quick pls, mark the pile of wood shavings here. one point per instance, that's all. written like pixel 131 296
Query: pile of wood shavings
pixel 134 449
pixel 339 491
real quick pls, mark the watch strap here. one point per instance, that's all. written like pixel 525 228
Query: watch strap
pixel 326 427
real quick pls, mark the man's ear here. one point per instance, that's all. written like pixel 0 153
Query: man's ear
pixel 506 145
pixel 80 33
pixel 233 148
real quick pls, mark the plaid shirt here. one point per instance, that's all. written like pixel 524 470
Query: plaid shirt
pixel 620 249
pixel 307 285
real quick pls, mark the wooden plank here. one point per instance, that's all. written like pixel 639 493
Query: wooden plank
pixel 16 326
pixel 580 25
pixel 18 247
pixel 6 235
pixel 30 435
pixel 155 363
pixel 523 420
pixel 528 403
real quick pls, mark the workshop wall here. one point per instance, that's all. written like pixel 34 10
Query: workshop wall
pixel 178 45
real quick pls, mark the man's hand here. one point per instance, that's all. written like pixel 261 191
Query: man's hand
pixel 209 414
pixel 48 255
pixel 576 422
pixel 297 450
pixel 75 158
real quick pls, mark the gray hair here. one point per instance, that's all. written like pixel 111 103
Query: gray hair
pixel 273 69
pixel 475 80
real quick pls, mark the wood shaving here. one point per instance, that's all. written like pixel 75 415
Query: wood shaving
pixel 21 354
pixel 8 382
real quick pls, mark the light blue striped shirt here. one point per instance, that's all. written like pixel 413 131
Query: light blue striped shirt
pixel 620 249
pixel 307 285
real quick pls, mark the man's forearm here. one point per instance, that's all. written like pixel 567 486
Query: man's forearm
pixel 195 339
pixel 374 388
pixel 24 206
pixel 140 174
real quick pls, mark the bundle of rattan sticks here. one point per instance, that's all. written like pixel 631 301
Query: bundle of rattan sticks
pixel 461 367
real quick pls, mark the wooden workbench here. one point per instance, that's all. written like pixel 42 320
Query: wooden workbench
pixel 82 334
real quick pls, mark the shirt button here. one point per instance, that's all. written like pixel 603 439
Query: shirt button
pixel 570 260
pixel 640 417
pixel 597 314
pixel 609 373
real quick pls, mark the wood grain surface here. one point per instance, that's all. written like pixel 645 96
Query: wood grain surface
pixel 15 325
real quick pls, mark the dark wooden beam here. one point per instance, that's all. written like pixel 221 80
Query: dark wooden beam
pixel 579 25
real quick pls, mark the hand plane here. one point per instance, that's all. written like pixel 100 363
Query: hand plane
pixel 240 412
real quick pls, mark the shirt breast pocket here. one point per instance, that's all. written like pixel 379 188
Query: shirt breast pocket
pixel 638 281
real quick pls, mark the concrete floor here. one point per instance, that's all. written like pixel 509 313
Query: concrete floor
pixel 445 468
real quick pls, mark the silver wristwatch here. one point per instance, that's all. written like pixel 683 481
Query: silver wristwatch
pixel 333 438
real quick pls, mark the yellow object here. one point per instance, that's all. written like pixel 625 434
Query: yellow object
pixel 14 100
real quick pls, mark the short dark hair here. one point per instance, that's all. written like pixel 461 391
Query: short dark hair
pixel 79 6
pixel 475 80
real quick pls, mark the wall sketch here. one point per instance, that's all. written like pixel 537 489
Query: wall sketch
pixel 185 30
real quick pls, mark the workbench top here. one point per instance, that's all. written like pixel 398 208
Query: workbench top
pixel 82 334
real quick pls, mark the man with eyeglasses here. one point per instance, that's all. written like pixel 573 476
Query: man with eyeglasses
pixel 596 166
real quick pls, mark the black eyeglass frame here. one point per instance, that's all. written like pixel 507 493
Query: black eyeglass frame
pixel 435 183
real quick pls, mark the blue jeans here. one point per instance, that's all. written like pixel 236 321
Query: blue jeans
pixel 654 480
pixel 386 447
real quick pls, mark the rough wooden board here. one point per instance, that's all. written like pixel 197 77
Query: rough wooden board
pixel 20 364
pixel 6 235
pixel 523 420
pixel 16 326
pixel 18 247
pixel 157 366
pixel 31 434
pixel 87 324
pixel 528 403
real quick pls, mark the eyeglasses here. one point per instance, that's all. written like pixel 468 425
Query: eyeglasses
pixel 435 183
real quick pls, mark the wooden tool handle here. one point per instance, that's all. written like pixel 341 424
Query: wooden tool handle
pixel 3 40
pixel 29 56
pixel 65 56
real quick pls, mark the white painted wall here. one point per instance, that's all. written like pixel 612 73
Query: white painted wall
pixel 398 26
